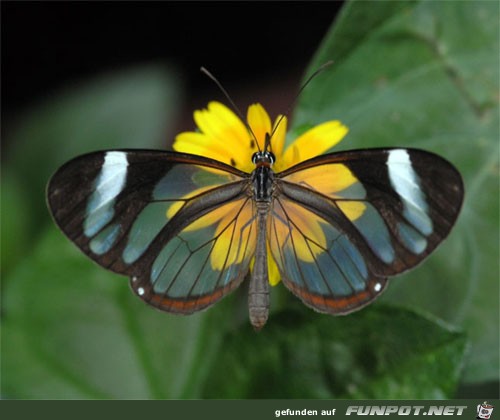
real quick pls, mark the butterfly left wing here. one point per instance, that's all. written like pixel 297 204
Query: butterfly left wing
pixel 180 226
pixel 342 223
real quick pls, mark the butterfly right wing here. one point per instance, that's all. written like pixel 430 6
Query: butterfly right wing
pixel 342 223
pixel 180 226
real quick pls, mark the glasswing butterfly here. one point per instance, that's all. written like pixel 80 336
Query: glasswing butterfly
pixel 188 230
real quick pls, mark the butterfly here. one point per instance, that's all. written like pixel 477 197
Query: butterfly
pixel 188 229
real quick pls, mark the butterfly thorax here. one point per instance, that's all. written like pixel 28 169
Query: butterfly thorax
pixel 263 176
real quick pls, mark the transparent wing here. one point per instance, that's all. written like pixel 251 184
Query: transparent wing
pixel 180 226
pixel 353 218
pixel 202 262
pixel 318 261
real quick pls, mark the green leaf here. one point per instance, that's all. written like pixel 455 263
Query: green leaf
pixel 369 354
pixel 425 74
pixel 73 330
pixel 16 222
pixel 133 109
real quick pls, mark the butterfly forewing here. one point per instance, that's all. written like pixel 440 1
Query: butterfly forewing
pixel 180 226
pixel 348 220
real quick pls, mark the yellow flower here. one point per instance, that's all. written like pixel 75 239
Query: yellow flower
pixel 224 137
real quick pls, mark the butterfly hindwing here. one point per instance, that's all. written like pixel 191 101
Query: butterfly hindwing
pixel 180 226
pixel 370 214
pixel 201 262
pixel 317 259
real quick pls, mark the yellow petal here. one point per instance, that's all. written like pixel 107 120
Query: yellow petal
pixel 326 179
pixel 221 124
pixel 272 269
pixel 306 222
pixel 199 144
pixel 303 224
pixel 314 142
pixel 279 135
pixel 352 209
pixel 260 123
pixel 222 136
pixel 232 234
pixel 199 223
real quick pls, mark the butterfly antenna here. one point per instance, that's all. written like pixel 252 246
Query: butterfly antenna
pixel 234 106
pixel 294 100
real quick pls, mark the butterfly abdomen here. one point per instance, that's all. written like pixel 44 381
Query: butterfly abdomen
pixel 258 292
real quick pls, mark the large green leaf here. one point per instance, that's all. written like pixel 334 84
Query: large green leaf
pixel 16 223
pixel 369 354
pixel 73 330
pixel 132 108
pixel 425 74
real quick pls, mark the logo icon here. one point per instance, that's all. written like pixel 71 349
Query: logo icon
pixel 484 411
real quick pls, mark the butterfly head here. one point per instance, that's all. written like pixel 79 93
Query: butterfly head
pixel 264 157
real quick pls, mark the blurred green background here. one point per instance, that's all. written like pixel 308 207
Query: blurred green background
pixel 411 74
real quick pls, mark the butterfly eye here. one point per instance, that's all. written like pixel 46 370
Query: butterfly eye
pixel 263 157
